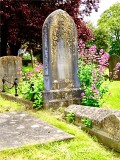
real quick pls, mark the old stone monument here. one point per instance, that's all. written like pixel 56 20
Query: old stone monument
pixel 61 83
pixel 9 69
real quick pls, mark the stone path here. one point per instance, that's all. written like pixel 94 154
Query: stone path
pixel 20 128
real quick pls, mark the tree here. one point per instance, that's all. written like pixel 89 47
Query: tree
pixel 110 20
pixel 100 39
pixel 23 20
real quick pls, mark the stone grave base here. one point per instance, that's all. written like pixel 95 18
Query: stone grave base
pixel 61 98
pixel 19 128
pixel 105 123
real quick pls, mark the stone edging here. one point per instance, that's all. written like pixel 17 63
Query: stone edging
pixel 28 104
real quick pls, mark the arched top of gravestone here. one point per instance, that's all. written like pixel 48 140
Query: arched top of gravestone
pixel 56 14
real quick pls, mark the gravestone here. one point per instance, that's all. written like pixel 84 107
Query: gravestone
pixel 9 69
pixel 60 56
pixel 114 59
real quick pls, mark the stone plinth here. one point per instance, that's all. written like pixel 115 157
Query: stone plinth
pixel 105 123
pixel 58 98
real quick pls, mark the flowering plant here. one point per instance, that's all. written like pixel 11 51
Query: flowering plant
pixel 32 86
pixel 91 70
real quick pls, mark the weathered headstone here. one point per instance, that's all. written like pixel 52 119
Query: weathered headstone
pixel 60 57
pixel 9 69
pixel 114 59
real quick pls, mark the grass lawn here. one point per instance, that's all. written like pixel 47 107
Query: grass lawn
pixel 10 106
pixel 83 147
pixel 113 100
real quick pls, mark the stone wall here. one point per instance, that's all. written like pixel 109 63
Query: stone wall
pixel 10 68
pixel 105 123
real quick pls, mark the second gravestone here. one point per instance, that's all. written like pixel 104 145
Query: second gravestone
pixel 60 56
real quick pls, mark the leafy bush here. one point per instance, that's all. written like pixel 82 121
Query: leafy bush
pixel 91 70
pixel 32 85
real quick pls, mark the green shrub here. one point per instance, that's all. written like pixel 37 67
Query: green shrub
pixel 91 68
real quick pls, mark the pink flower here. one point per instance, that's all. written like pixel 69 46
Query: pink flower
pixel 93 86
pixel 29 74
pixel 96 92
pixel 117 65
pixel 101 52
pixel 19 68
pixel 110 73
pixel 91 97
pixel 101 68
pixel 82 94
pixel 93 72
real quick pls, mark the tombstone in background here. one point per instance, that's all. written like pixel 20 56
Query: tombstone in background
pixel 60 56
pixel 10 69
pixel 114 59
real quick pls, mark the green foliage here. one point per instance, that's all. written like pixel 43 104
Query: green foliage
pixel 87 122
pixel 26 56
pixel 110 20
pixel 32 86
pixel 91 67
pixel 91 84
pixel 70 117
pixel 27 69
pixel 101 39
pixel 115 47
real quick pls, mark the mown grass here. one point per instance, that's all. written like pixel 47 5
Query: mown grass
pixel 112 99
pixel 10 106
pixel 82 147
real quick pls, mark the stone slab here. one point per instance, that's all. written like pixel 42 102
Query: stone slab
pixel 105 123
pixel 20 128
